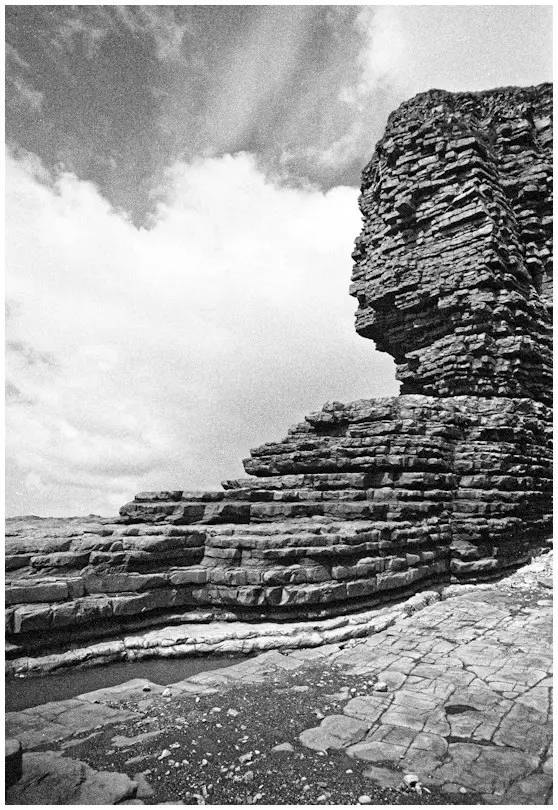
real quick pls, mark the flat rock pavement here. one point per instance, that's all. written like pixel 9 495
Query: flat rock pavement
pixel 467 700
pixel 450 704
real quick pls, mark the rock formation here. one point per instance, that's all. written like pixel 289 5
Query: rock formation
pixel 372 500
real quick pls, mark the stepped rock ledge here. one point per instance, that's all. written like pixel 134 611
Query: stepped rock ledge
pixel 367 502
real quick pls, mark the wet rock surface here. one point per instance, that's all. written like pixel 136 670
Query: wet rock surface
pixel 466 712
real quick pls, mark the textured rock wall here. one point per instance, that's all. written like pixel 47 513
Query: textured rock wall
pixel 453 270
pixel 381 497
pixel 369 501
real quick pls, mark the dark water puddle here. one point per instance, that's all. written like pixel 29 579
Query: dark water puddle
pixel 23 693
pixel 459 708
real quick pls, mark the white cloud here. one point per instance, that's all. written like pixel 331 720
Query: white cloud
pixel 383 59
pixel 380 72
pixel 160 356
pixel 27 95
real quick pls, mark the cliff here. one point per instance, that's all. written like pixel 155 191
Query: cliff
pixel 453 270
pixel 369 501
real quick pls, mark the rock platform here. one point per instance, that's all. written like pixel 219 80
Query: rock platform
pixel 455 696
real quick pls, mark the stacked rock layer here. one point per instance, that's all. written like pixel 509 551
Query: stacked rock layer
pixel 369 501
pixel 453 267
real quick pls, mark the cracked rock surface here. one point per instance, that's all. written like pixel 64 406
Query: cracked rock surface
pixel 464 707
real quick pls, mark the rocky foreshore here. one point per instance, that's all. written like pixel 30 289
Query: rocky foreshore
pixel 408 716
pixel 348 548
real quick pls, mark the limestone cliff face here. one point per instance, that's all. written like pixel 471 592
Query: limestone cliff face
pixel 453 270
pixel 369 501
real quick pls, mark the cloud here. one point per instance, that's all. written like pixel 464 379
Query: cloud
pixel 172 349
pixel 28 354
pixel 128 90
pixel 387 44
pixel 412 49
pixel 158 23
pixel 90 26
pixel 366 90
pixel 26 95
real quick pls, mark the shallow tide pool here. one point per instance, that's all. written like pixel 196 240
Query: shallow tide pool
pixel 23 693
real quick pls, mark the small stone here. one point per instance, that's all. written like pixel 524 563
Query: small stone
pixel 245 758
pixel 164 754
pixel 144 790
pixel 411 779
pixel 136 760
pixel 462 790
pixel 146 689
pixel 248 776
pixel 283 747
pixel 365 799
pixel 232 713
pixel 166 693
pixel 380 686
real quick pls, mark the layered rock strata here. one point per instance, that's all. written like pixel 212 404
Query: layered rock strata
pixel 453 270
pixel 369 501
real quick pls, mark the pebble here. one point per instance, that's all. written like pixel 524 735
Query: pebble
pixel 462 790
pixel 364 799
pixel 411 779
pixel 381 686
pixel 166 693
pixel 249 776
pixel 233 713
pixel 144 789
pixel 136 760
pixel 164 754
pixel 283 747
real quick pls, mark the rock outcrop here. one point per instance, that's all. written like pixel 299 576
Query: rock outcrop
pixel 369 501
pixel 453 270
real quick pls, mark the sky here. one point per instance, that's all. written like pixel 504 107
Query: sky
pixel 181 207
